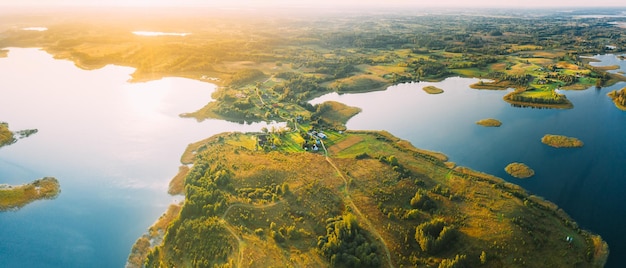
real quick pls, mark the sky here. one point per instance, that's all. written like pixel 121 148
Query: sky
pixel 319 3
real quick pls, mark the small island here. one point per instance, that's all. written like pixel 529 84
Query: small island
pixel 519 170
pixel 538 98
pixel 432 90
pixel 15 197
pixel 619 98
pixel 489 122
pixel 558 141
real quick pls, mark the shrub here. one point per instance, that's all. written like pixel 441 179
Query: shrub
pixel 411 214
pixel 483 258
pixel 422 201
pixel 458 262
pixel 346 245
pixel 259 232
pixel 434 236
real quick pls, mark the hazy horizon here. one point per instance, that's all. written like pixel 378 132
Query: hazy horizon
pixel 313 3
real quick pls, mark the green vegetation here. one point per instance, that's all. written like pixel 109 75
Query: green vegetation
pixel 15 197
pixel 141 248
pixel 374 201
pixel 346 244
pixel 334 114
pixel 531 97
pixel 559 141
pixel 177 184
pixel 489 122
pixel 6 136
pixel 255 200
pixel 619 98
pixel 268 67
pixel 432 90
pixel 519 170
pixel 458 262
pixel 434 236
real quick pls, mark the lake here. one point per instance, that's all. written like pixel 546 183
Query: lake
pixel 588 182
pixel 113 146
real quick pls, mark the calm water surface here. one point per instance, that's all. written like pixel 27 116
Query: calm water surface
pixel 113 146
pixel 588 183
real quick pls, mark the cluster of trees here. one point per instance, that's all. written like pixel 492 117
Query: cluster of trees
pixel 422 201
pixel 245 76
pixel 268 193
pixel 296 87
pixel 555 99
pixel 197 237
pixel 196 242
pixel 392 160
pixel 619 96
pixel 427 69
pixel 565 78
pixel 6 136
pixel 336 70
pixel 435 236
pixel 520 80
pixel 459 261
pixel 346 245
pixel 236 111
pixel 473 62
pixel 284 233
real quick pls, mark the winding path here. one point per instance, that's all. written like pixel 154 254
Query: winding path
pixel 349 201
pixel 240 243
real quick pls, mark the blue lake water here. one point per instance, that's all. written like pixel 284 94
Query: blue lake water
pixel 114 146
pixel 588 182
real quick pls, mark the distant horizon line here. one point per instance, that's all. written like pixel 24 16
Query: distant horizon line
pixel 308 6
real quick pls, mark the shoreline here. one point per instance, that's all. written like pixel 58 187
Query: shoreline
pixel 435 161
pixel 14 197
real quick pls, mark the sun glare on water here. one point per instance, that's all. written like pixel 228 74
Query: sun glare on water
pixel 148 33
pixel 38 29
pixel 148 98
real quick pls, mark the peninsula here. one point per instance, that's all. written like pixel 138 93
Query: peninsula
pixel 15 197
pixel 368 199
pixel 8 137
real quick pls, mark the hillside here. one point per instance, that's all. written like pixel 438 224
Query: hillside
pixel 376 201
